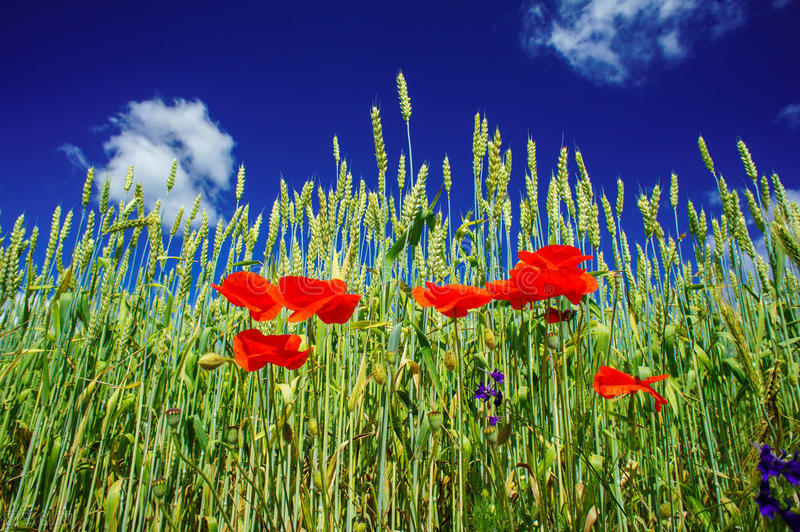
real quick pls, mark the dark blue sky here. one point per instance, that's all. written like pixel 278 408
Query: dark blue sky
pixel 632 83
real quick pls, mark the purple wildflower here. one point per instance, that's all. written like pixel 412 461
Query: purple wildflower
pixel 791 519
pixel 497 376
pixel 769 464
pixel 483 392
pixel 498 398
pixel 768 504
pixel 493 420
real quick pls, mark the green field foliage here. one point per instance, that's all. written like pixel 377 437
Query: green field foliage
pixel 380 428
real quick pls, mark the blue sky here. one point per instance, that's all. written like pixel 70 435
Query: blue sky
pixel 632 83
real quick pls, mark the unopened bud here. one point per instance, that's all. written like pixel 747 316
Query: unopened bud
pixel 232 435
pixel 450 360
pixel 211 361
pixel 379 373
pixel 313 427
pixel 288 433
pixel 435 420
pixel 504 434
pixel 522 393
pixel 489 339
pixel 317 480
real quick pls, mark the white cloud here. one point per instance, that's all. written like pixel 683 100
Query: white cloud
pixel 789 115
pixel 617 41
pixel 150 135
pixel 75 156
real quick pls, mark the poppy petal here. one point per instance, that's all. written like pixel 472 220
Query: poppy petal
pixel 339 309
pixel 299 291
pixel 253 350
pixel 253 292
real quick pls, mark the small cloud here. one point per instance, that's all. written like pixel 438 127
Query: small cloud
pixel 789 116
pixel 618 42
pixel 151 134
pixel 75 156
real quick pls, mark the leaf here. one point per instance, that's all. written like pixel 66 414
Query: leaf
pixel 427 357
pixel 198 432
pixel 112 504
pixel 286 392
pixel 245 263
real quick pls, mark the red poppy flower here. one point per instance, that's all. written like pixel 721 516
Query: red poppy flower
pixel 555 316
pixel 254 350
pixel 329 300
pixel 507 290
pixel 452 300
pixel 553 257
pixel 253 292
pixel 553 271
pixel 610 382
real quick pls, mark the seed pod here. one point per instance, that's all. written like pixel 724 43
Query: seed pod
pixel 317 480
pixel 313 427
pixel 435 420
pixel 490 433
pixel 211 361
pixel 360 527
pixel 489 339
pixel 232 435
pixel 160 488
pixel 379 373
pixel 288 433
pixel 450 360
pixel 173 417
pixel 552 341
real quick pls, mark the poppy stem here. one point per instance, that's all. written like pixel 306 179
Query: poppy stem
pixel 460 509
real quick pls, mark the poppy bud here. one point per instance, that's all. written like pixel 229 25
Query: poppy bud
pixel 317 480
pixel 504 434
pixel 450 360
pixel 379 373
pixel 665 510
pixel 522 393
pixel 160 488
pixel 602 338
pixel 173 417
pixel 360 527
pixel 232 435
pixel 552 341
pixel 211 361
pixel 669 337
pixel 466 448
pixel 435 420
pixel 313 427
pixel 288 433
pixel 375 305
pixel 391 356
pixel 480 359
pixel 489 339
pixel 491 434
